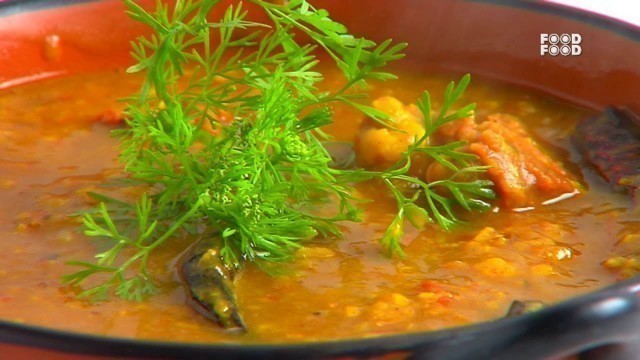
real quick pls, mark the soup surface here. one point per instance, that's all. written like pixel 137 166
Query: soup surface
pixel 53 151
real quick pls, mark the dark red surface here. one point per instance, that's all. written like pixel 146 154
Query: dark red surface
pixel 498 41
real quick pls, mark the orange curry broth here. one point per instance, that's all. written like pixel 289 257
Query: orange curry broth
pixel 52 153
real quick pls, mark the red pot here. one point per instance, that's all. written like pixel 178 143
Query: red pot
pixel 496 39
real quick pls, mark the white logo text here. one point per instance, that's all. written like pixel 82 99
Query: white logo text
pixel 560 44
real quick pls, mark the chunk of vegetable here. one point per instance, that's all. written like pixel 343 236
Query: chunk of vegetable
pixel 523 173
pixel 380 147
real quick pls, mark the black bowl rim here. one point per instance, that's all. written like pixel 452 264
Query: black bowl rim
pixel 86 343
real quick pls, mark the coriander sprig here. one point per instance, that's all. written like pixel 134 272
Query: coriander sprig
pixel 471 195
pixel 225 133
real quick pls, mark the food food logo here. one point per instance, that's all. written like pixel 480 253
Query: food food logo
pixel 560 44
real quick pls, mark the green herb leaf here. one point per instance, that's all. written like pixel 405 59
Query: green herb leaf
pixel 256 175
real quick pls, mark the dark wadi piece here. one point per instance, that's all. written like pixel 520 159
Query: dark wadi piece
pixel 610 143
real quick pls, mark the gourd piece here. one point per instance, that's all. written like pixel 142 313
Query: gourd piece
pixel 210 284
pixel 523 173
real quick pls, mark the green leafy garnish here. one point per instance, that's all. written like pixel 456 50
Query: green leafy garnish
pixel 470 195
pixel 226 135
